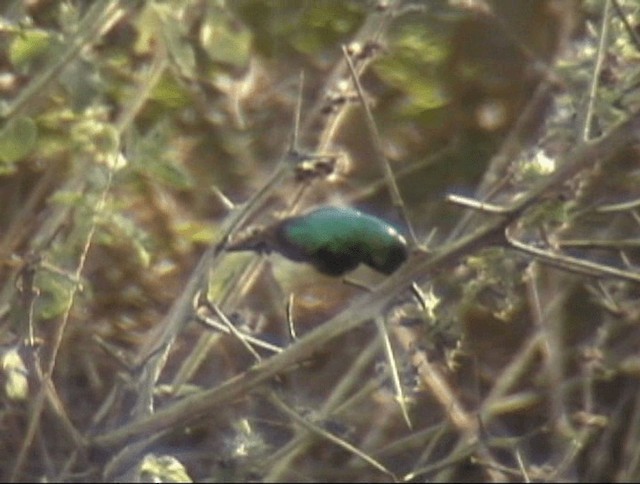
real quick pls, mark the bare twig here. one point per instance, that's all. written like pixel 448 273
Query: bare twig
pixel 396 198
pixel 316 429
pixel 587 123
pixel 393 369
pixel 478 205
pixel 237 334
pixel 252 340
pixel 569 263
pixel 280 461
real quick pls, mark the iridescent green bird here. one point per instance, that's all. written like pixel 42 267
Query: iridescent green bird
pixel 335 240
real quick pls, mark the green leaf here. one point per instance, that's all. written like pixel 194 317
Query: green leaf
pixel 118 230
pixel 68 198
pixel 55 291
pixel 95 137
pixel 17 139
pixel 28 46
pixel 170 93
pixel 169 173
pixel 198 232
pixel 322 24
pixel 224 39
pixel 413 65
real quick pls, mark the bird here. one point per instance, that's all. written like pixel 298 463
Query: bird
pixel 334 240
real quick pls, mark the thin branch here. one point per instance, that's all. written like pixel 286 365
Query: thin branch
pixel 619 207
pixel 478 205
pixel 290 321
pixel 396 198
pixel 247 338
pixel 459 455
pixel 339 401
pixel 600 244
pixel 316 429
pixel 296 117
pixel 569 263
pixel 393 369
pixel 587 124
pixel 497 172
pixel 237 334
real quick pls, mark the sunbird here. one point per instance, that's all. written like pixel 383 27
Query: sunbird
pixel 334 240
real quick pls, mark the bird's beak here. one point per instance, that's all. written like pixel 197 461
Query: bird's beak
pixel 251 239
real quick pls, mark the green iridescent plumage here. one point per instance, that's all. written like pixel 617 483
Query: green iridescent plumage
pixel 335 240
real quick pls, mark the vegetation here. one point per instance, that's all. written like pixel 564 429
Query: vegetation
pixel 139 139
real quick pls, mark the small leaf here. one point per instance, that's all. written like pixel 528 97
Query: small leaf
pixel 198 232
pixel 119 230
pixel 170 23
pixel 413 65
pixel 55 291
pixel 163 468
pixel 95 137
pixel 224 39
pixel 29 45
pixel 169 173
pixel 17 139
pixel 15 372
pixel 67 198
pixel 170 93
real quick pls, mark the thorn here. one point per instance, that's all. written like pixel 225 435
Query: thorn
pixel 226 201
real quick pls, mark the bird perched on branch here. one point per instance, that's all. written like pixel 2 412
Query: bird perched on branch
pixel 335 240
